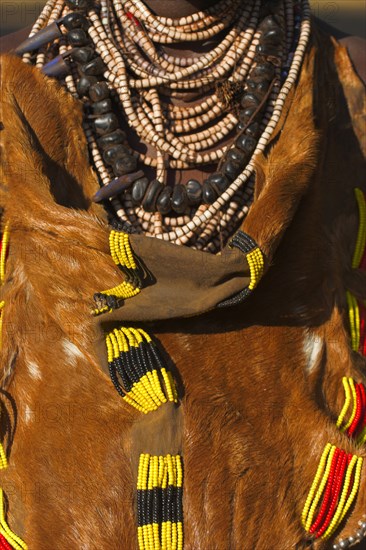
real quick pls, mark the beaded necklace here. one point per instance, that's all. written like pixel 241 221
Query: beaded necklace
pixel 110 54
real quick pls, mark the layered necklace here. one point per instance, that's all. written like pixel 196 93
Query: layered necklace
pixel 116 57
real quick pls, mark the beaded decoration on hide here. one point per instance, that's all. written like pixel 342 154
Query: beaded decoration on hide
pixel 332 493
pixel 159 502
pixel 355 401
pixel 8 539
pixel 4 249
pixel 356 308
pixel 120 248
pixel 255 259
pixel 134 359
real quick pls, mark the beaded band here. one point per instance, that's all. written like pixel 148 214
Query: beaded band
pixel 336 482
pixel 122 255
pixel 356 310
pixel 159 502
pixel 4 250
pixel 255 259
pixel 355 397
pixel 8 538
pixel 134 358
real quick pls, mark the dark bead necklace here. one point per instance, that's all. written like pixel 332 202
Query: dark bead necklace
pixel 248 104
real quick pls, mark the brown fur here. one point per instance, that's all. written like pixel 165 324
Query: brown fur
pixel 253 417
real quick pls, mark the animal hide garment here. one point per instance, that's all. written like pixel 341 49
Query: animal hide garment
pixel 259 384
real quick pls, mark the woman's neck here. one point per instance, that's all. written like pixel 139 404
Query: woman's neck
pixel 178 8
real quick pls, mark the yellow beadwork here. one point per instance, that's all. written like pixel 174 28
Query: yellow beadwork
pixel 315 484
pixel 3 459
pixel 354 320
pixel 4 249
pixel 353 309
pixel 122 255
pixel 343 505
pixel 361 234
pixel 256 266
pixel 5 530
pixel 346 498
pixel 320 489
pixel 147 393
pixel 159 472
pixel 354 407
pixel 347 401
pixel 355 487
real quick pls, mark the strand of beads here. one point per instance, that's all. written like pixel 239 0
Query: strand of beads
pixel 251 57
pixel 134 359
pixel 355 398
pixel 8 538
pixel 337 482
pixel 356 309
pixel 159 502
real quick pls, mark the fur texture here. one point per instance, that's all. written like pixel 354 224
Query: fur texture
pixel 253 417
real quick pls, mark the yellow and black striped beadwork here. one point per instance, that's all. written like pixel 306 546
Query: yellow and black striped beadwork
pixel 122 255
pixel 159 502
pixel 134 360
pixel 255 260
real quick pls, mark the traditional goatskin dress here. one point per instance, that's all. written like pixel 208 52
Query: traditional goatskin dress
pixel 259 384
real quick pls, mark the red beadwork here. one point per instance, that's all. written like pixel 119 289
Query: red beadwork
pixel 133 18
pixel 362 313
pixel 363 414
pixel 328 491
pixel 341 468
pixel 351 430
pixel 4 545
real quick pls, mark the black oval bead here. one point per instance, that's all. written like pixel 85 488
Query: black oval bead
pixel 84 54
pixel 236 154
pixel 246 114
pixel 118 136
pixel 264 71
pixel 209 195
pixel 164 203
pixel 246 143
pixel 94 67
pixel 77 37
pixel 219 182
pixel 139 189
pixel 268 49
pixel 259 87
pixel 269 22
pixel 99 91
pixel 231 169
pixel 84 84
pixel 106 123
pixel 112 153
pixel 249 99
pixel 273 37
pixel 179 199
pixel 194 192
pixel 101 107
pixel 124 165
pixel 253 130
pixel 151 195
pixel 75 21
